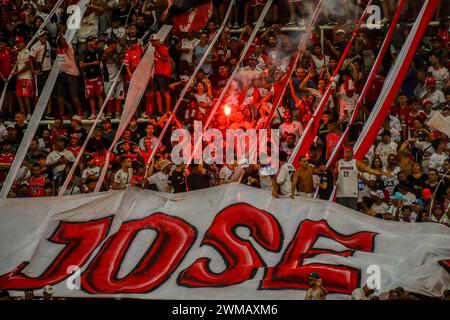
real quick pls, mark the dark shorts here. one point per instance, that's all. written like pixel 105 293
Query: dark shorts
pixel 160 83
pixel 348 202
pixel 67 85
pixel 41 80
pixel 11 85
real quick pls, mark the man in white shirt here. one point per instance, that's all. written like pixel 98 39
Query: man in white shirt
pixel 379 206
pixel 186 47
pixel 439 72
pixel 24 77
pixel 41 64
pixel 123 176
pixel 386 147
pixel 161 178
pixel 290 126
pixel 439 156
pixel 434 95
pixel 363 293
pixel 284 176
pixel 226 172
pixel 59 158
pixel 347 99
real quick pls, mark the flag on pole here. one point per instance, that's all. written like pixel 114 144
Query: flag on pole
pixel 189 15
pixel 394 80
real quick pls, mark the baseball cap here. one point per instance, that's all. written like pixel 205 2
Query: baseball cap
pixel 253 56
pixel 133 39
pixel 340 31
pixel 379 194
pixel 430 80
pixel 76 118
pixel 10 126
pixel 419 202
pixel 154 37
pixel 19 39
pixel 426 193
pixel 314 275
pixel 106 120
pixel 91 38
pixel 427 101
pixel 397 196
pixel 234 38
pixel 88 157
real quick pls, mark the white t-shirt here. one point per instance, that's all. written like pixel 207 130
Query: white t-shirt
pixel 284 178
pixel 95 171
pixel 390 182
pixel 54 156
pixel 441 75
pixel 294 127
pixel 22 59
pixel 226 173
pixel 203 98
pixel 437 161
pixel 408 199
pixel 161 180
pixel 37 52
pixel 118 32
pixel 347 182
pixel 88 27
pixel 347 103
pixel 384 150
pixel 320 63
pixel 122 177
pixel 358 294
pixel 436 97
pixel 188 44
pixel 382 208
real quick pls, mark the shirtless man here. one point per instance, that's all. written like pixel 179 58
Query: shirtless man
pixel 303 180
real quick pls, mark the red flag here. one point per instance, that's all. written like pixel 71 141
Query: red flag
pixel 193 20
pixel 393 82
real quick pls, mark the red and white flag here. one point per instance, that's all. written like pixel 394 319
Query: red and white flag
pixel 194 19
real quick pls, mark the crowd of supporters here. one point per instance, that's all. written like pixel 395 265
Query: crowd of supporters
pixel 404 177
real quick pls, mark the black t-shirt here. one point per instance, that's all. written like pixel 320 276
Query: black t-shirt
pixel 80 133
pixel 95 144
pixel 440 192
pixel 418 184
pixel 178 181
pixel 327 177
pixel 92 71
pixel 196 181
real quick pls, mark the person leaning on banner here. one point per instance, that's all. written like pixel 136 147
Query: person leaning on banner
pixel 346 178
pixel 316 290
pixel 364 293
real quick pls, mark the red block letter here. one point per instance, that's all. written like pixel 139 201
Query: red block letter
pixel 290 273
pixel 173 240
pixel 80 238
pixel 241 258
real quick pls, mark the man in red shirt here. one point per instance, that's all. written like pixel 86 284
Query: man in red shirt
pixel 36 182
pixel 133 56
pixel 163 73
pixel 6 159
pixel 5 70
pixel 332 138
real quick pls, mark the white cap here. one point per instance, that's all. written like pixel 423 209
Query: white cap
pixel 340 31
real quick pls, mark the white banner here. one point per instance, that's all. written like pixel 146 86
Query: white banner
pixel 441 123
pixel 227 242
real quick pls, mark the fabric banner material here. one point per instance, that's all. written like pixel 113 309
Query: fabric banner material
pixel 227 242
pixel 394 80
pixel 441 123
pixel 37 114
pixel 136 90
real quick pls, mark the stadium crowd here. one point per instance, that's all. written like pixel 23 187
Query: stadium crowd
pixel 404 177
